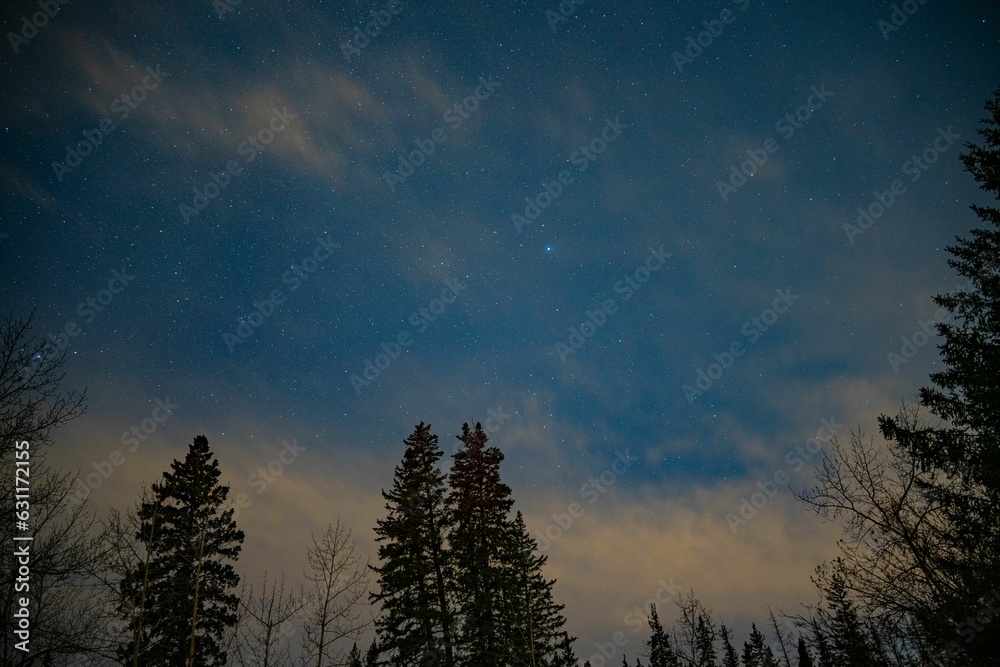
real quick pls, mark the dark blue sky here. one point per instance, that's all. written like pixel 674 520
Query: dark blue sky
pixel 683 204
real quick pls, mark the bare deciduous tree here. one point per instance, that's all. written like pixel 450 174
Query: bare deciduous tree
pixel 266 625
pixel 341 588
pixel 897 530
pixel 62 551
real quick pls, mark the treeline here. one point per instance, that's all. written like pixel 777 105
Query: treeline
pixel 459 581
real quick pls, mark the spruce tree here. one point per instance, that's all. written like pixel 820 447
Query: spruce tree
pixel 371 655
pixel 531 620
pixel 849 642
pixel 704 642
pixel 660 652
pixel 186 583
pixel 416 624
pixel 729 656
pixel 756 653
pixel 354 657
pixel 966 397
pixel 566 657
pixel 480 502
pixel 805 658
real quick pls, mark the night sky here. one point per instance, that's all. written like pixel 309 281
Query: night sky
pixel 625 237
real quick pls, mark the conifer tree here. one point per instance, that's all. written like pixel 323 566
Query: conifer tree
pixel 805 658
pixel 566 657
pixel 824 654
pixel 756 653
pixel 705 642
pixel 729 656
pixel 660 652
pixel 354 657
pixel 849 642
pixel 480 502
pixel 416 625
pixel 532 621
pixel 371 655
pixel 187 585
pixel 966 447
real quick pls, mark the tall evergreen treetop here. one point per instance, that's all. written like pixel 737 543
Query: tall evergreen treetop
pixel 415 627
pixel 187 586
pixel 660 652
pixel 481 504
